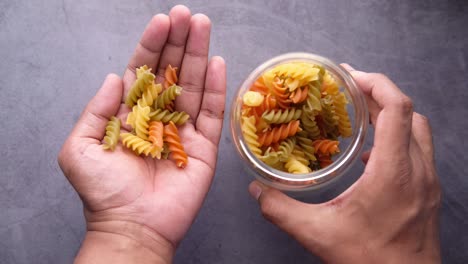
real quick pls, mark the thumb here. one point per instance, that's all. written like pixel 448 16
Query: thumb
pixel 298 219
pixel 100 109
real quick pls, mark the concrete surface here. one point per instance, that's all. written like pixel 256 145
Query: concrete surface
pixel 54 55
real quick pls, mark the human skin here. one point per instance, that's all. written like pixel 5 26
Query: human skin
pixel 391 214
pixel 138 209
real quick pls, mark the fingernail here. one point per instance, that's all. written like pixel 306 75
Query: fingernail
pixel 255 190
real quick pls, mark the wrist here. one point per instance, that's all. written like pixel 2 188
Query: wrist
pixel 123 242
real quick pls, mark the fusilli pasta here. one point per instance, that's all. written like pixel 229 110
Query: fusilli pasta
pixel 112 134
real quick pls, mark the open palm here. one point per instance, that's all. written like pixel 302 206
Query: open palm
pixel 120 186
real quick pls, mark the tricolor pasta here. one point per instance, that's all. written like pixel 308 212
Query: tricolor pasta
pixel 153 126
pixel 293 116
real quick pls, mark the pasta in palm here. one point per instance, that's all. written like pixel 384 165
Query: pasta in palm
pixel 152 118
pixel 112 134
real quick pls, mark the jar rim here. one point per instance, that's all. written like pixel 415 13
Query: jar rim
pixel 299 182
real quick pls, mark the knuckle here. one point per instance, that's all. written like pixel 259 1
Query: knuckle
pixel 405 103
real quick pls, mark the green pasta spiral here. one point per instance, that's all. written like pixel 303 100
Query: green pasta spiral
pixel 167 96
pixel 286 147
pixel 144 79
pixel 306 144
pixel 281 116
pixel 330 119
pixel 309 125
pixel 179 118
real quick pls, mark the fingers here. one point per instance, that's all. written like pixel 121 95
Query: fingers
pixel 393 125
pixel 423 134
pixel 105 104
pixel 298 219
pixel 174 49
pixel 194 63
pixel 148 50
pixel 210 119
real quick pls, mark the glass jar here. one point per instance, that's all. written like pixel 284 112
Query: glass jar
pixel 350 147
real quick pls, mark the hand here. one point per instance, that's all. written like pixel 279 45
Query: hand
pixel 391 214
pixel 147 202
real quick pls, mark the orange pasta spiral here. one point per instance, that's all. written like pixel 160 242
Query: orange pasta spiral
pixel 326 146
pixel 170 75
pixel 259 86
pixel 155 135
pixel 324 160
pixel 268 103
pixel 279 133
pixel 171 137
pixel 281 93
pixel 299 95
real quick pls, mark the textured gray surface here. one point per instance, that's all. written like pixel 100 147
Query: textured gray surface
pixel 55 54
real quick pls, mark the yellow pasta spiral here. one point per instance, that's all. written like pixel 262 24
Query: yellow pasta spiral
pixel 138 145
pixel 344 124
pixel 112 133
pixel 150 94
pixel 292 165
pixel 142 121
pixel 249 131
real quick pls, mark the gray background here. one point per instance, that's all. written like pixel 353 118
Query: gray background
pixel 54 55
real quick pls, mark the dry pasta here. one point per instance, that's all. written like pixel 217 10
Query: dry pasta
pixel 112 134
pixel 293 116
pixel 152 118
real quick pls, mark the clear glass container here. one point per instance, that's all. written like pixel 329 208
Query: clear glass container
pixel 350 147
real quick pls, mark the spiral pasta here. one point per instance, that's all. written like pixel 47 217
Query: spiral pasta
pixel 253 98
pixel 152 118
pixel 285 148
pixel 155 136
pixel 306 144
pixel 170 76
pixel 309 125
pixel 281 93
pixel 259 86
pixel 112 134
pixel 179 118
pixel 281 116
pixel 296 74
pixel 326 146
pixel 167 96
pixel 299 95
pixel 141 121
pixel 295 117
pixel 330 119
pixel 144 78
pixel 149 95
pixel 138 145
pixel 292 165
pixel 279 133
pixel 251 138
pixel 171 137
pixel 329 85
pixel 344 124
